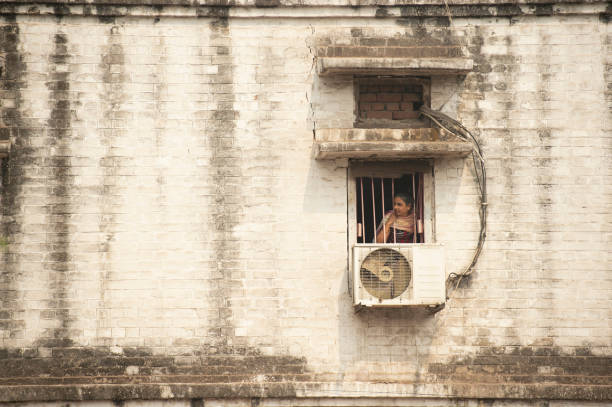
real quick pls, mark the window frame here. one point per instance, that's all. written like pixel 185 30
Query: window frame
pixel 391 170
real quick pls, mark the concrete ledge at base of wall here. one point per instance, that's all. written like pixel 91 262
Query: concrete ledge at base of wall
pixel 328 391
pixel 295 9
pixel 394 66
pixel 289 3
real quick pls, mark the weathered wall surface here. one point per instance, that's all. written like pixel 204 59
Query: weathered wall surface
pixel 167 234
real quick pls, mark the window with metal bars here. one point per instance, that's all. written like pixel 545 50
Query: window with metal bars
pixel 390 209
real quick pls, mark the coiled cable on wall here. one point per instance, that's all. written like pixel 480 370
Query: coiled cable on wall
pixel 453 126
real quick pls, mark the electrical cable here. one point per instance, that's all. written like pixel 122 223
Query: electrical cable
pixel 452 126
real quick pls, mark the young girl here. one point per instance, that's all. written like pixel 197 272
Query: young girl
pixel 397 226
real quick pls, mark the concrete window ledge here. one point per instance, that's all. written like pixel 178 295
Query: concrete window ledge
pixel 4 148
pixel 387 144
pixel 388 150
pixel 394 66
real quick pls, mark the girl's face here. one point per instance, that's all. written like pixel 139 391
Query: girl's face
pixel 400 207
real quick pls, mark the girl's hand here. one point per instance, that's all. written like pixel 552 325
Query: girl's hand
pixel 391 219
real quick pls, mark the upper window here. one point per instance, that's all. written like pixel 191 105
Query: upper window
pixel 391 102
pixel 391 202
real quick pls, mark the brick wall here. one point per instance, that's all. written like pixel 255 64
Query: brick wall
pixel 168 234
pixel 389 99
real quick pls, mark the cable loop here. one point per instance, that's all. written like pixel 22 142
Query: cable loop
pixel 455 127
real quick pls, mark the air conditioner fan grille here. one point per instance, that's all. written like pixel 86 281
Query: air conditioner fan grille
pixel 385 273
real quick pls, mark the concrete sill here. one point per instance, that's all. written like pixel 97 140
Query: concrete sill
pixel 389 150
pixel 387 144
pixel 394 66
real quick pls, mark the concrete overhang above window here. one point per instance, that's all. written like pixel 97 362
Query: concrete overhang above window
pixel 387 144
pixel 4 148
pixel 393 66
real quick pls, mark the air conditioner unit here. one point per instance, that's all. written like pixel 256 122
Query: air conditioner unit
pixel 395 275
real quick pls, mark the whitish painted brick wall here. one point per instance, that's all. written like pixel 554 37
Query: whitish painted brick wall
pixel 161 200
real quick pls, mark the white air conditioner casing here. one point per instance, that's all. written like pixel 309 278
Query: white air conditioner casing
pixel 426 286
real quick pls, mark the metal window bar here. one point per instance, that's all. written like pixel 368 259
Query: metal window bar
pixel 420 229
pixel 414 217
pixel 392 195
pixel 370 198
pixel 361 226
pixel 373 209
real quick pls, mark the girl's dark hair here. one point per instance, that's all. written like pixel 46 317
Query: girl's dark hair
pixel 402 185
pixel 407 198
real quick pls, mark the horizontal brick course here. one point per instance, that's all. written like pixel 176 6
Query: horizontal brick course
pixel 389 97
pixel 379 115
pixel 405 115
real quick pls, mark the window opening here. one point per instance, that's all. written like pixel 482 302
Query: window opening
pixel 381 209
pixel 391 102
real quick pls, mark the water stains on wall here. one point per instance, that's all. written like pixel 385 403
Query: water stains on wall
pixel 138 373
pixel 16 128
pixel 58 261
pixel 113 78
pixel 226 364
pixel 527 372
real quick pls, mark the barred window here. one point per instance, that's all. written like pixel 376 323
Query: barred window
pixel 375 204
pixel 391 203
